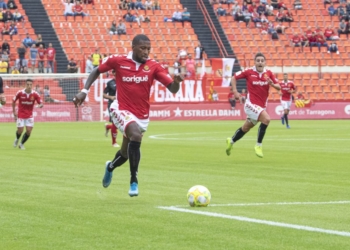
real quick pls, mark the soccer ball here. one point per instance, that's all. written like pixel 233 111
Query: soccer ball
pixel 198 196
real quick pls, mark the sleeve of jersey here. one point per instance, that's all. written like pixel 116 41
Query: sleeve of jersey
pixel 273 78
pixel 240 75
pixel 107 64
pixel 163 76
pixel 15 98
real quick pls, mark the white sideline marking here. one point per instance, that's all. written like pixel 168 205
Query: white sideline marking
pixel 275 203
pixel 265 222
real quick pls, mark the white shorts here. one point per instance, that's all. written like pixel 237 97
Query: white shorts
pixel 122 118
pixel 25 122
pixel 286 104
pixel 253 111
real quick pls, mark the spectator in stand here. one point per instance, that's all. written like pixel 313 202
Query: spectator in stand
pixel 281 4
pixel 295 40
pixel 244 6
pixel 5 57
pixel 139 18
pixel 280 28
pixel 121 28
pixel 332 10
pixel 252 8
pixel 131 5
pixel 147 19
pixel 5 30
pixel 8 17
pixel 113 29
pixel 3 5
pixel 263 18
pixel 96 57
pixel 190 67
pixel 68 8
pixel 321 41
pixel 15 70
pixel 309 32
pixel 3 67
pixel 72 66
pixel 243 96
pixel 261 9
pixel 186 16
pixel 28 42
pixel 123 5
pixel 280 16
pixel 312 40
pixel 329 33
pixel 39 41
pixel 156 5
pixel 342 28
pixel 11 4
pixel 38 89
pixel 333 48
pixel 215 96
pixel 139 5
pixel 2 15
pixel 13 29
pixel 256 19
pixel 17 17
pixel 247 17
pixel 269 10
pixel 23 70
pixel 264 28
pixel 220 11
pixel 198 53
pixel 177 16
pixel 6 46
pixel 78 10
pixel 239 16
pixel 130 18
pixel 47 95
pixel 41 58
pixel 33 54
pixel 304 40
pixel 148 5
pixel 88 65
pixel 342 13
pixel 231 99
pixel 51 57
pixel 300 96
pixel 271 29
pixel 288 16
pixel 297 5
pixel 274 4
pixel 234 9
pixel 177 68
pixel 21 61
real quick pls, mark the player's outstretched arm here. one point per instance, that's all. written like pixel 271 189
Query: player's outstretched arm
pixel 80 97
pixel 14 110
pixel 175 85
pixel 234 88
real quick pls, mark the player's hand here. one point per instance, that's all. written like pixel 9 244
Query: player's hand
pixel 268 79
pixel 179 78
pixel 15 117
pixel 237 95
pixel 79 99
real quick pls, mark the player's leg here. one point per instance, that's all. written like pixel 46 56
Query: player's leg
pixel 264 118
pixel 286 112
pixel 19 132
pixel 25 137
pixel 134 134
pixel 119 159
pixel 238 135
pixel 114 134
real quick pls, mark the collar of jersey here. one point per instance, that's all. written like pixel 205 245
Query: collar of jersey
pixel 254 68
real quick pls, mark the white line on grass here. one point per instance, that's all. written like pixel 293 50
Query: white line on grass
pixel 265 222
pixel 275 203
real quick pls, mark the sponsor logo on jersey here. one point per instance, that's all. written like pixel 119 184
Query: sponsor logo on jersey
pixel 124 67
pixel 27 103
pixel 32 98
pixel 136 79
pixel 253 75
pixel 146 68
pixel 261 83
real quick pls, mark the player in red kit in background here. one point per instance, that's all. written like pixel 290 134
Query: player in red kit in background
pixel 24 116
pixel 110 93
pixel 135 74
pixel 259 79
pixel 287 89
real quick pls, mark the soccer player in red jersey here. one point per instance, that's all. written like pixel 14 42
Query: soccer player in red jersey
pixel 110 93
pixel 259 79
pixel 24 116
pixel 135 74
pixel 287 89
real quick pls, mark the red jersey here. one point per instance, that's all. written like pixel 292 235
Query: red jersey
pixel 296 39
pixel 257 85
pixel 285 87
pixel 308 33
pixel 230 95
pixel 320 39
pixel 78 8
pixel 134 81
pixel 26 103
pixel 41 53
pixel 328 32
pixel 50 54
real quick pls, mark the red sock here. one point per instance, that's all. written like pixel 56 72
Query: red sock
pixel 109 126
pixel 114 133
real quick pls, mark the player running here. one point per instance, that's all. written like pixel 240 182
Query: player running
pixel 287 89
pixel 135 74
pixel 110 93
pixel 24 117
pixel 259 80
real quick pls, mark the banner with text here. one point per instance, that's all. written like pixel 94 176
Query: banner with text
pixel 222 70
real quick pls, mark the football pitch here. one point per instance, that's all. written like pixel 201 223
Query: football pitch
pixel 296 197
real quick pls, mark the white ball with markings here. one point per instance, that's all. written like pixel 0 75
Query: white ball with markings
pixel 198 196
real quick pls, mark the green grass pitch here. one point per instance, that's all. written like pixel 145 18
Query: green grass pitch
pixel 51 196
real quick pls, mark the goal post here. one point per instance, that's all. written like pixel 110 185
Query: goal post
pixel 57 92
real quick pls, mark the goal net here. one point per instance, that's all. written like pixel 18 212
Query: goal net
pixel 57 92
